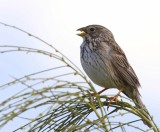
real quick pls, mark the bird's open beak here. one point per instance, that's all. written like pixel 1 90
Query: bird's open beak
pixel 82 32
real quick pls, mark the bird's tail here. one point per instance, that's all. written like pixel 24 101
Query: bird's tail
pixel 141 106
pixel 139 102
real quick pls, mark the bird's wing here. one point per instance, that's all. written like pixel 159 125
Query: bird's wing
pixel 123 69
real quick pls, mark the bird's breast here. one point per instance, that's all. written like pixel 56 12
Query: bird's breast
pixel 95 65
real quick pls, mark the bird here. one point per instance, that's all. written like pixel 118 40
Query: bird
pixel 106 64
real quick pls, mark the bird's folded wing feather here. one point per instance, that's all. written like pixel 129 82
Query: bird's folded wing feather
pixel 124 70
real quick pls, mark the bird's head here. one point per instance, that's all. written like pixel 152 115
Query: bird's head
pixel 92 31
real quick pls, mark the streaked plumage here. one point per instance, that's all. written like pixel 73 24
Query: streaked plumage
pixel 105 62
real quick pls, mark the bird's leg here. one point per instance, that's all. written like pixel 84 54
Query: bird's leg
pixel 114 98
pixel 91 98
pixel 92 94
pixel 102 90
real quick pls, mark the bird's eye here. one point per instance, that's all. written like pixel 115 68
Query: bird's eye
pixel 92 29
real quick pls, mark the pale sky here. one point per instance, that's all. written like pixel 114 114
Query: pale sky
pixel 135 25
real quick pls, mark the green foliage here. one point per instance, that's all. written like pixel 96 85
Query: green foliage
pixel 65 98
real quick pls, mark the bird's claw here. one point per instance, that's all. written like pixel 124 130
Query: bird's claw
pixel 111 99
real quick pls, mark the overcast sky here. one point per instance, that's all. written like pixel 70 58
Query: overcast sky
pixel 135 25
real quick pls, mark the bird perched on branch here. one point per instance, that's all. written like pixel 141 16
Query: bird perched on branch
pixel 106 64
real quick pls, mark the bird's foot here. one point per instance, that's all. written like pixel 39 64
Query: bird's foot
pixel 114 98
pixel 111 99
pixel 95 94
pixel 91 98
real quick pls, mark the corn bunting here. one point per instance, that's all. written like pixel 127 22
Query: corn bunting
pixel 106 64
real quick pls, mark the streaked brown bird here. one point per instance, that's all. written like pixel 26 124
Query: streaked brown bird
pixel 106 64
